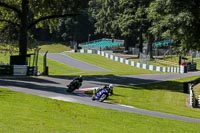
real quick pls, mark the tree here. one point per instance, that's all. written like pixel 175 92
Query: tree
pixel 77 28
pixel 45 12
pixel 114 18
pixel 178 20
pixel 143 24
pixel 122 18
pixel 104 12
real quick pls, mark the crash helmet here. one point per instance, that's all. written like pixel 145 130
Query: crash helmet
pixel 111 86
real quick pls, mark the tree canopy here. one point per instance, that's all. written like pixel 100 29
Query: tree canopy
pixel 22 15
pixel 150 19
pixel 178 20
pixel 136 21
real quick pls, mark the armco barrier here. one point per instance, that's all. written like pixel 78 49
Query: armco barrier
pixel 18 70
pixel 132 63
pixel 188 88
pixel 32 71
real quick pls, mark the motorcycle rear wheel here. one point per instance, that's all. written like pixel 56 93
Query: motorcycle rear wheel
pixel 70 89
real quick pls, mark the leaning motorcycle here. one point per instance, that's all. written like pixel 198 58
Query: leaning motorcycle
pixel 75 84
pixel 102 94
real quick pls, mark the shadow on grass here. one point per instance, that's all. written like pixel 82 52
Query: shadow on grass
pixel 165 85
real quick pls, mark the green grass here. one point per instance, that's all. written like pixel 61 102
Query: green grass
pixel 117 68
pixel 163 97
pixel 5 58
pixel 28 113
pixel 196 90
pixel 157 63
pixel 56 68
pixel 50 47
pixel 19 111
pixel 54 48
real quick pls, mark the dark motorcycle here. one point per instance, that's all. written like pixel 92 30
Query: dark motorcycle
pixel 75 84
pixel 102 94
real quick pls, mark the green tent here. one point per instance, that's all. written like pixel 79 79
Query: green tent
pixel 163 43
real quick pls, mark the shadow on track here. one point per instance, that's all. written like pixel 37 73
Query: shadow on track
pixel 35 84
pixel 128 82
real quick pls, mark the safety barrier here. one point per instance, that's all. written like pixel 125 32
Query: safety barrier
pixel 188 88
pixel 18 70
pixel 132 63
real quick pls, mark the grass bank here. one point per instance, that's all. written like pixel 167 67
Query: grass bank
pixel 117 68
pixel 165 97
pixel 28 113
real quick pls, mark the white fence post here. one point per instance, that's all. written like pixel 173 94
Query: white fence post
pixel 191 98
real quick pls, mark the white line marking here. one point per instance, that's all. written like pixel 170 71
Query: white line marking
pixel 61 98
pixel 126 106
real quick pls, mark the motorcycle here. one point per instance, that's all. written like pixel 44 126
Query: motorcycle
pixel 102 94
pixel 75 84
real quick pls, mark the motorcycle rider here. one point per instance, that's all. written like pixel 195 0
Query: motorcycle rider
pixel 75 84
pixel 103 93
pixel 79 79
pixel 109 88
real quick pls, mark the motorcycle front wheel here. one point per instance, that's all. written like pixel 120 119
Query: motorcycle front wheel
pixel 103 97
pixel 93 98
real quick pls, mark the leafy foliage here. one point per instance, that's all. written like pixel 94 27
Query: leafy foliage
pixel 25 14
pixel 136 21
pixel 146 20
pixel 178 20
pixel 75 29
pixel 122 18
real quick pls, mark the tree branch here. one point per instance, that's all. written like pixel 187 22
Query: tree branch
pixel 50 17
pixel 9 21
pixel 6 5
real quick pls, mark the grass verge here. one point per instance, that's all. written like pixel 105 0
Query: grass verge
pixel 28 113
pixel 165 97
pixel 117 68
pixel 53 47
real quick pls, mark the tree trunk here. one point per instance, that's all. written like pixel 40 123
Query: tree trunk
pixel 23 29
pixel 150 43
pixel 127 42
pixel 140 44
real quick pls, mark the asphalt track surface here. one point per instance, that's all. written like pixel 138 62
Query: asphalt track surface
pixel 55 88
pixel 63 58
